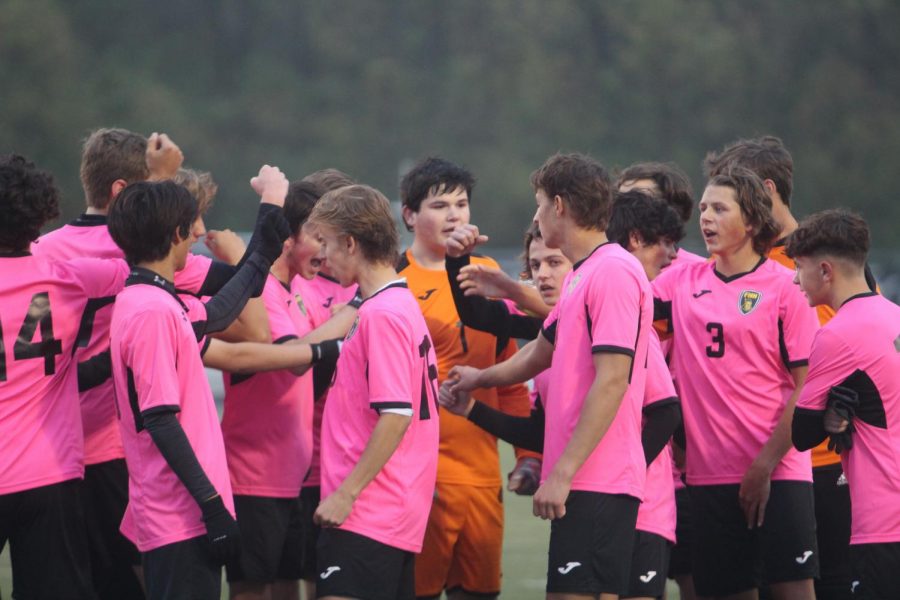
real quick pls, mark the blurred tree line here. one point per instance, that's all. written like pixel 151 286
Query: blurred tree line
pixel 369 86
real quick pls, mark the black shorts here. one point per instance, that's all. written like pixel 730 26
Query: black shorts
pixel 47 541
pixel 680 560
pixel 832 501
pixel 590 547
pixel 355 566
pixel 649 565
pixel 875 571
pixel 271 539
pixel 309 502
pixel 184 569
pixel 113 556
pixel 729 558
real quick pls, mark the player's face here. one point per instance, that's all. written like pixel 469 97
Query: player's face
pixel 333 249
pixel 655 257
pixel 546 219
pixel 721 222
pixel 303 252
pixel 810 277
pixel 643 185
pixel 438 216
pixel 183 246
pixel 548 269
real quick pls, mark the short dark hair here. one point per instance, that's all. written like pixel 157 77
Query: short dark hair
pixel 651 218
pixel 674 185
pixel 835 232
pixel 756 206
pixel 430 177
pixel 766 156
pixel 532 233
pixel 329 179
pixel 145 217
pixel 299 202
pixel 28 198
pixel 108 155
pixel 365 214
pixel 582 182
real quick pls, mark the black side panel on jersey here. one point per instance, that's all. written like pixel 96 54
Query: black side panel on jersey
pixel 871 405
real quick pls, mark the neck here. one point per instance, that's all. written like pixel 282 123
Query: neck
pixel 164 268
pixel 427 256
pixel 281 270
pixel 374 277
pixel 786 221
pixel 578 243
pixel 844 289
pixel 740 261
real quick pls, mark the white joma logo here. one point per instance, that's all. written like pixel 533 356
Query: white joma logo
pixel 853 587
pixel 646 578
pixel 802 559
pixel 569 566
pixel 327 572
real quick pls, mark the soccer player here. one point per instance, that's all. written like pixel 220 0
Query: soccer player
pixel 597 339
pixel 41 444
pixel 741 339
pixel 380 428
pixel 464 539
pixel 853 389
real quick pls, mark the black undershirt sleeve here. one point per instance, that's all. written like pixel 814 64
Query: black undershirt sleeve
pixel 661 421
pixel 522 432
pixel 94 371
pixel 807 429
pixel 173 444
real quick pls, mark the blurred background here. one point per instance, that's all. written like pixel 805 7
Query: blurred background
pixel 369 87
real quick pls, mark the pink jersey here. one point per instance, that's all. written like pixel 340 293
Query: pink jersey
pixel 157 366
pixel 605 306
pixel 88 236
pixel 267 423
pixel 41 305
pixel 860 348
pixel 735 341
pixel 387 361
pixel 657 512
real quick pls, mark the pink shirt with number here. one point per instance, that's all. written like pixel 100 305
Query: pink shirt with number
pixel 41 304
pixel 860 348
pixel 387 362
pixel 605 306
pixel 267 423
pixel 735 340
pixel 156 367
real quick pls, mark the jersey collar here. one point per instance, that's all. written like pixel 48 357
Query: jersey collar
pixel 590 254
pixel 731 278
pixel 397 283
pixel 140 275
pixel 862 295
pixel 15 254
pixel 86 220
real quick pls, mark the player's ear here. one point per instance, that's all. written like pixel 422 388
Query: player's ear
pixel 117 186
pixel 409 217
pixel 827 270
pixel 771 190
pixel 559 207
pixel 634 241
pixel 352 244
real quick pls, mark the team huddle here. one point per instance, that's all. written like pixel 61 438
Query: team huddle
pixel 662 405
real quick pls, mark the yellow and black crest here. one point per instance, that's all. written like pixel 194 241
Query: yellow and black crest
pixel 300 304
pixel 749 300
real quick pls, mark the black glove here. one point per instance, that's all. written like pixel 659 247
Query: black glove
pixel 275 229
pixel 843 401
pixel 221 531
pixel 528 475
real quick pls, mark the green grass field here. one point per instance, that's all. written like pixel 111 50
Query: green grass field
pixel 524 550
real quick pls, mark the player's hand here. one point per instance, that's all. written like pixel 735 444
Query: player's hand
pixel 163 157
pixel 464 239
pixel 754 494
pixel 459 403
pixel 333 510
pixel 271 185
pixel 838 421
pixel 463 379
pixel 526 477
pixel 225 245
pixel 833 422
pixel 486 281
pixel 550 498
pixel 221 530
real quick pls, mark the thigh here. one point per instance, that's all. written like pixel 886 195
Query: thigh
pixel 591 546
pixel 649 565
pixel 355 566
pixel 479 548
pixel 309 501
pixel 48 543
pixel 832 502
pixel 184 570
pixel 788 535
pixel 445 521
pixel 726 557
pixel 263 523
pixel 875 571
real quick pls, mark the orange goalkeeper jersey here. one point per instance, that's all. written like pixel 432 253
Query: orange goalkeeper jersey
pixel 468 454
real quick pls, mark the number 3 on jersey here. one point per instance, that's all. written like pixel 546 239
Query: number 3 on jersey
pixel 429 380
pixel 25 347
pixel 717 350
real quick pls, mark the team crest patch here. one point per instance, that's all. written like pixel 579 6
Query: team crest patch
pixel 300 304
pixel 353 329
pixel 749 300
pixel 573 283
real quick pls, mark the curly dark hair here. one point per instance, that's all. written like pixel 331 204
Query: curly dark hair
pixel 836 232
pixel 674 186
pixel 30 198
pixel 653 219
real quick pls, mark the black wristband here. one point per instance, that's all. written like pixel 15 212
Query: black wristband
pixel 326 351
pixel 356 301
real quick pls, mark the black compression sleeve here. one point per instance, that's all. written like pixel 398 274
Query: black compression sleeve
pixel 94 371
pixel 223 308
pixel 661 421
pixel 523 432
pixel 264 209
pixel 173 444
pixel 807 429
pixel 218 275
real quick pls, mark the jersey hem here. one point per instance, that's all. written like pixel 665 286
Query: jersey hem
pixel 43 481
pixel 662 532
pixel 172 538
pixel 737 479
pixel 104 458
pixel 258 492
pixel 383 539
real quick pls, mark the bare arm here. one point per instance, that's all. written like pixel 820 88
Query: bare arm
pixel 250 357
pixel 534 357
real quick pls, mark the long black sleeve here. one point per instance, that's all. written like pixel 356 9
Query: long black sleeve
pixel 661 421
pixel 807 428
pixel 173 444
pixel 264 210
pixel 94 371
pixel 223 308
pixel 523 432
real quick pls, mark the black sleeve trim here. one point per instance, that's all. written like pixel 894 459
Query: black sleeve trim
pixel 803 362
pixel 523 432
pixel 380 406
pixel 205 346
pixel 612 350
pixel 285 338
pixel 807 428
pixel 199 328
pixel 549 332
pixel 162 408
